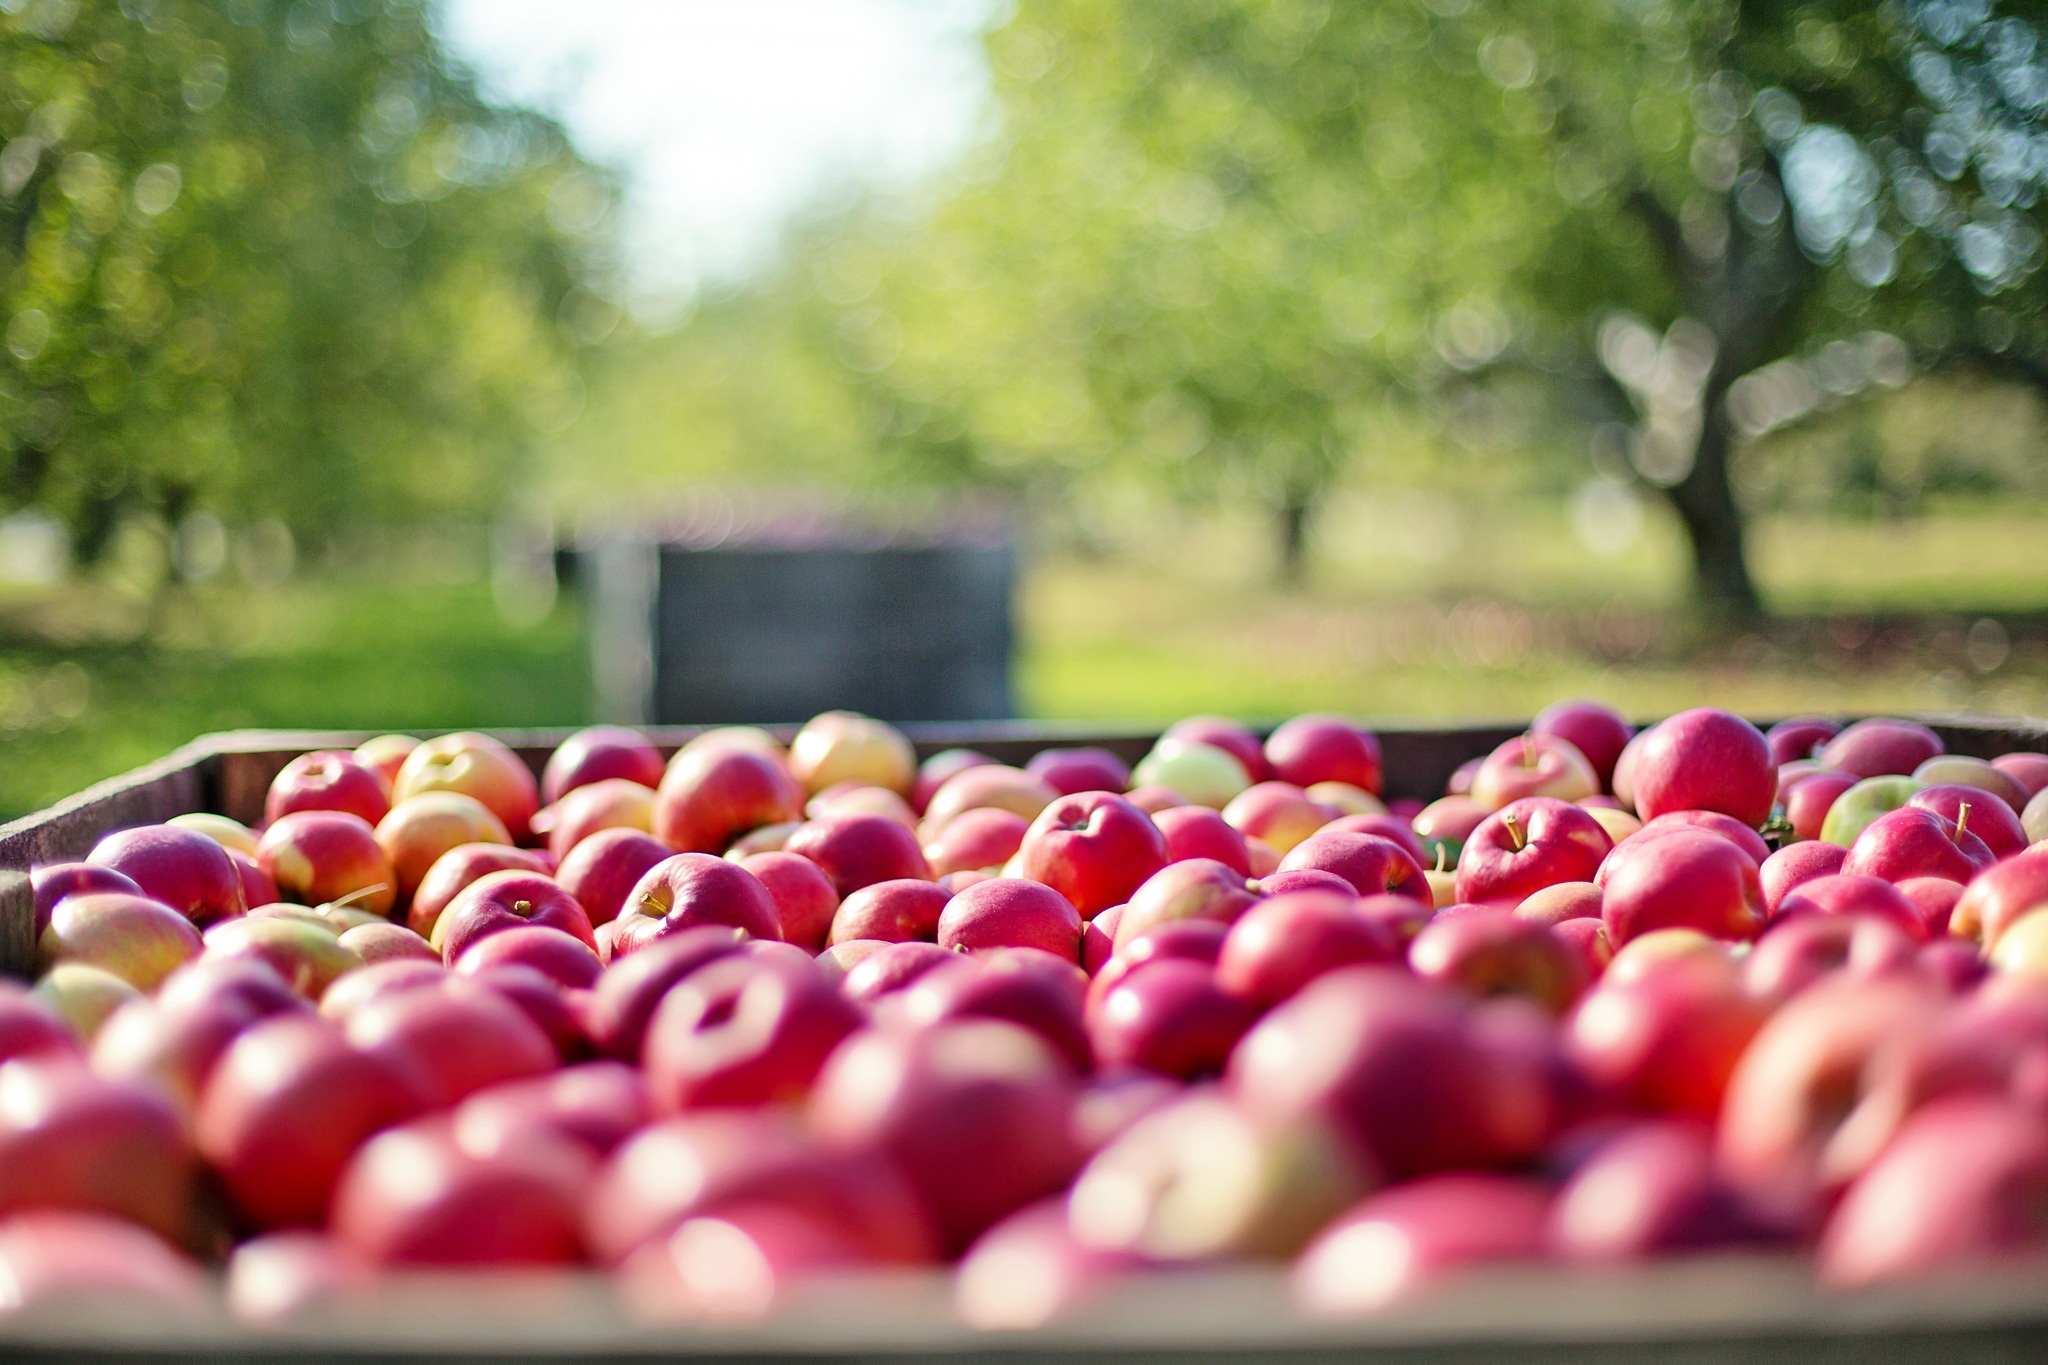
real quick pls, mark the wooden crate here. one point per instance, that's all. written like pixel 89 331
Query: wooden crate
pixel 1722 1308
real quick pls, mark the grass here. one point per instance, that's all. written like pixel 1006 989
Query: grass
pixel 1417 609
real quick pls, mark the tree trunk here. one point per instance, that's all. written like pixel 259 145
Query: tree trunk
pixel 1292 523
pixel 1705 503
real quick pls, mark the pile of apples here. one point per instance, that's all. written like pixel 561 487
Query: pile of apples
pixel 726 1023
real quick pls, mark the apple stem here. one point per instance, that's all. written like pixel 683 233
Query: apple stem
pixel 1962 820
pixel 361 893
pixel 522 908
pixel 1440 859
pixel 1528 752
pixel 1515 831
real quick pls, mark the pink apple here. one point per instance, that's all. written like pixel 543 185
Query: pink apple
pixel 609 803
pixel 1791 740
pixel 688 890
pixel 257 886
pixel 1995 899
pixel 507 900
pixel 376 980
pixel 713 794
pixel 1705 759
pixel 1596 731
pixel 2029 770
pixel 1325 748
pixel 28 1028
pixel 1796 863
pixel 1020 986
pixel 1648 1189
pixel 1030 1269
pixel 1196 940
pixel 859 850
pixel 804 901
pixel 1197 888
pixel 1282 943
pixel 321 856
pixel 455 1037
pixel 740 1031
pixel 54 881
pixel 1558 903
pixel 375 943
pixel 1916 842
pixel 561 957
pixel 1170 1017
pixel 67 1260
pixel 1198 832
pixel 1387 826
pixel 1878 748
pixel 1403 1241
pixel 418 831
pixel 1533 765
pixel 1373 865
pixel 1809 799
pixel 1854 895
pixel 985 837
pixel 328 779
pixel 1976 811
pixel 72 1140
pixel 1532 843
pixel 137 939
pixel 896 911
pixel 595 754
pixel 1683 879
pixel 477 766
pixel 385 755
pixel 1713 822
pixel 985 785
pixel 1666 1039
pixel 626 995
pixel 602 871
pixel 933 772
pixel 597 1104
pixel 1494 952
pixel 1069 771
pixel 1012 912
pixel 1988 778
pixel 1095 849
pixel 307 953
pixel 1798 951
pixel 1449 821
pixel 892 967
pixel 1280 813
pixel 186 871
pixel 456 869
pixel 1934 899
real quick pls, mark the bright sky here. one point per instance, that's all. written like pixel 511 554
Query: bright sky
pixel 729 115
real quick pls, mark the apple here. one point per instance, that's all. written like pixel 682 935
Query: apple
pixel 1171 1017
pixel 1278 812
pixel 1704 759
pixel 1800 950
pixel 422 828
pixel 473 765
pixel 1030 1269
pixel 1401 1242
pixel 1955 1190
pixel 1387 826
pixel 1957 770
pixel 285 1108
pixel 598 753
pixel 52 882
pixel 277 1277
pixel 321 856
pixel 1196 940
pixel 896 911
pixel 1810 800
pixel 1796 863
pixel 1854 895
pixel 741 1031
pixel 308 955
pixel 1527 845
pixel 1916 842
pixel 1459 783
pixel 499 901
pixel 1227 735
pixel 608 803
pixel 1555 904
pixel 1199 832
pixel 1203 774
pixel 751 737
pixel 850 798
pixel 1095 849
pixel 692 889
pixel 1012 912
pixel 1352 800
pixel 232 835
pixel 171 1041
pixel 977 1113
pixel 602 871
pixel 454 1037
pixel 1879 748
pixel 413 1196
pixel 562 958
pixel 595 1104
pixel 2028 769
pixel 257 887
pixel 1449 821
pixel 1934 899
pixel 854 851
pixel 934 771
pixel 1019 986
pixel 327 779
pixel 626 995
pixel 1648 1189
pixel 1372 864
pixel 844 746
pixel 375 943
pixel 1619 824
pixel 72 1140
pixel 1596 731
pixel 2022 950
pixel 1068 771
pixel 1156 798
pixel 985 837
pixel 1533 765
pixel 1495 952
pixel 185 870
pixel 1729 828
pixel 1667 1039
pixel 1320 747
pixel 1283 942
pixel 454 870
pixel 983 786
pixel 137 939
pixel 890 968
pixel 805 902
pixel 1978 812
pixel 1687 878
pixel 1200 1178
pixel 385 755
pixel 83 997
pixel 29 1028
pixel 1799 738
pixel 2034 818
pixel 74 1261
pixel 712 795
pixel 766 839
pixel 1647 952
pixel 1196 888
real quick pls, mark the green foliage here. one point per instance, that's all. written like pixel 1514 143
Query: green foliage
pixel 274 258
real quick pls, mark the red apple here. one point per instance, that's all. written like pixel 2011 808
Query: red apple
pixel 1325 748
pixel 68 1259
pixel 1683 879
pixel 1853 894
pixel 328 779
pixel 1373 865
pixel 1095 849
pixel 1934 899
pixel 1170 1017
pixel 1561 902
pixel 804 901
pixel 385 755
pixel 1450 821
pixel 1387 826
pixel 595 754
pixel 72 1140
pixel 456 1037
pixel 1596 731
pixel 1705 759
pixel 257 887
pixel 137 939
pixel 1019 986
pixel 1794 864
pixel 1227 735
pixel 1878 748
pixel 710 796
pixel 844 746
pixel 934 771
pixel 321 856
pixel 1494 952
pixel 1282 943
pixel 474 765
pixel 54 881
pixel 1809 799
pixel 185 870
pixel 418 831
pixel 1198 832
pixel 896 911
pixel 1976 811
pixel 1533 765
pixel 1791 740
pixel 1012 912
pixel 859 850
pixel 610 803
pixel 1280 813
pixel 562 958
pixel 1916 842
pixel 1196 888
pixel 1068 771
pixel 1796 952
pixel 306 953
pixel 1995 899
pixel 1525 846
pixel 892 967
pixel 454 870
pixel 1403 1241
pixel 597 1104
pixel 741 1031
pixel 28 1028
pixel 688 890
pixel 506 900
pixel 985 837
pixel 1713 822
pixel 626 995
pixel 1196 940
pixel 377 980
pixel 1667 1039
pixel 1030 1269
pixel 602 871
pixel 1646 1190
pixel 2029 770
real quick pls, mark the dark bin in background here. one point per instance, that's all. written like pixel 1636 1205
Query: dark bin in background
pixel 744 615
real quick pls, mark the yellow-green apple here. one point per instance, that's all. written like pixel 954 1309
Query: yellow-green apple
pixel 986 785
pixel 844 746
pixel 712 794
pixel 1667 1039
pixel 1319 747
pixel 692 889
pixel 473 765
pixel 375 943
pixel 1916 842
pixel 1227 735
pixel 1810 799
pixel 1371 863
pixel 499 901
pixel 137 939
pixel 1705 759
pixel 1803 948
pixel 1529 844
pixel 1713 822
pixel 1879 748
pixel 1561 901
pixel 804 901
pixel 1283 942
pixel 54 881
pixel 987 836
pixel 1796 863
pixel 1979 812
pixel 1533 765
pixel 70 1139
pixel 1194 888
pixel 460 866
pixel 422 828
pixel 1069 771
pixel 1204 774
pixel 858 850
pixel 1011 912
pixel 598 753
pixel 1687 878
pixel 1279 813
pixel 385 755
pixel 232 835
pixel 327 779
pixel 1405 1241
pixel 1596 731
pixel 901 910
pixel 1199 832
pixel 1346 798
pixel 84 997
pixel 317 856
pixel 935 771
pixel 309 956
pixel 180 867
pixel 608 803
pixel 1800 738
pixel 602 871
pixel 1957 770
pixel 1496 952
pixel 743 1032
pixel 2028 769
pixel 1853 895
pixel 1094 848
